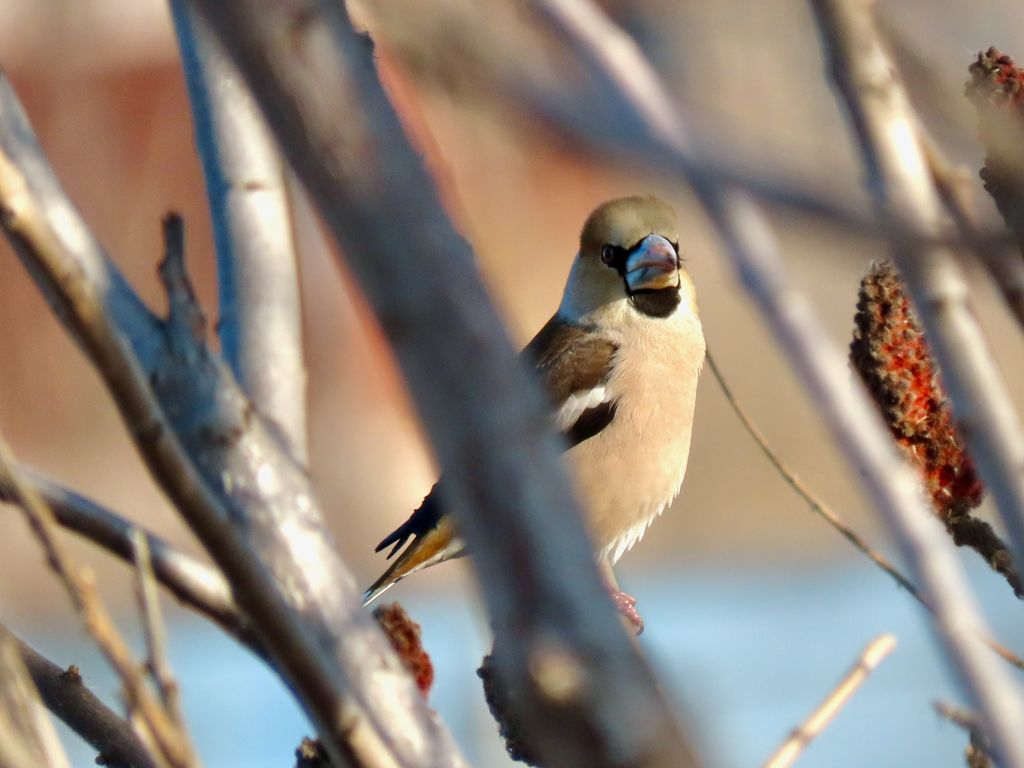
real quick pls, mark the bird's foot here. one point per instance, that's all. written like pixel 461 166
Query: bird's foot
pixel 626 605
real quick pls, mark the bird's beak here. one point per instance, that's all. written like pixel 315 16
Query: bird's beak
pixel 653 265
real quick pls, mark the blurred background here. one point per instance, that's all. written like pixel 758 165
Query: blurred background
pixel 754 607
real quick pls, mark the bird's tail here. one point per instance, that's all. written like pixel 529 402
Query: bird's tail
pixel 434 546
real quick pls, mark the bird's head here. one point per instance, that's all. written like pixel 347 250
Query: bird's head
pixel 629 253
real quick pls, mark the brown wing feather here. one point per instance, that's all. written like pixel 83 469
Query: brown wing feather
pixel 570 358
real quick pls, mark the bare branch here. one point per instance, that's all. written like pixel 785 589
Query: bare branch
pixel 819 719
pixel 485 417
pixel 251 504
pixel 196 584
pixel 27 737
pixel 64 694
pixel 260 324
pixel 172 742
pixel 907 202
pixel 153 629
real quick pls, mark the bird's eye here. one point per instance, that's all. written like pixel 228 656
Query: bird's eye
pixel 608 254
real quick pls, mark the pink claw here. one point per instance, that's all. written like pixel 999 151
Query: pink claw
pixel 627 608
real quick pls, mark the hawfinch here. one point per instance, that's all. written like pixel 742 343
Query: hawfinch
pixel 619 360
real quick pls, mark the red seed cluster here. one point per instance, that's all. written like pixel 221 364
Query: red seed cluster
pixel 891 354
pixel 996 88
pixel 995 78
pixel 404 634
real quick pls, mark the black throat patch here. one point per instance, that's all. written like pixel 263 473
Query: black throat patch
pixel 656 303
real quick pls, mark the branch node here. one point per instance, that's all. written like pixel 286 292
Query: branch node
pixel 185 323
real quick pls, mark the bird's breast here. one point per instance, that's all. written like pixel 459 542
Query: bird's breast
pixel 628 473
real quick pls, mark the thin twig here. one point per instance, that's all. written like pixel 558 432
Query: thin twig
pixel 829 515
pixel 197 585
pixel 172 742
pixel 260 324
pixel 155 633
pixel 819 719
pixel 815 502
pixel 66 695
pixel 16 750
pixel 961 717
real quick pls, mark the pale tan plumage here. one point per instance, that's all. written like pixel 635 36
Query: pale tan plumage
pixel 620 359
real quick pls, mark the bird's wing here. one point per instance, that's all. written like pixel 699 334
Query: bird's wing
pixel 574 363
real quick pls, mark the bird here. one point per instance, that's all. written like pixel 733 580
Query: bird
pixel 620 360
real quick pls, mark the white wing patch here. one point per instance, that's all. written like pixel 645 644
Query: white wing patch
pixel 577 403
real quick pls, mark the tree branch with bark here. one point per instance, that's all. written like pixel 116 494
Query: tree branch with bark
pixel 239 488
pixel 197 585
pixel 66 695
